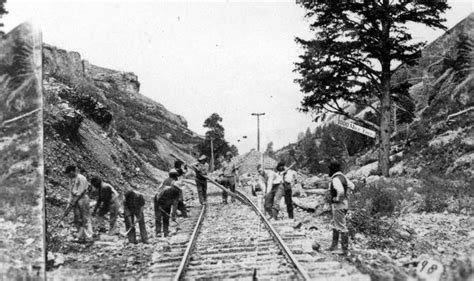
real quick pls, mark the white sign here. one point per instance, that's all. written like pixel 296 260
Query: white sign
pixel 357 128
pixel 429 270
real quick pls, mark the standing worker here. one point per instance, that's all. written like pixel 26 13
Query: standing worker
pixel 133 206
pixel 108 202
pixel 288 182
pixel 201 182
pixel 338 188
pixel 164 200
pixel 274 189
pixel 228 176
pixel 79 199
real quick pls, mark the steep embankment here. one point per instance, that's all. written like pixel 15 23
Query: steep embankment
pixel 97 119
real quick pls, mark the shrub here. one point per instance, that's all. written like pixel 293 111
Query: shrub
pixel 88 102
pixel 68 125
pixel 369 204
pixel 439 193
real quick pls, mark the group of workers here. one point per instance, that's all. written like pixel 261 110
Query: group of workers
pixel 169 198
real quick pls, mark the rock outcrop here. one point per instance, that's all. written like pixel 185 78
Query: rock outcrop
pixel 21 171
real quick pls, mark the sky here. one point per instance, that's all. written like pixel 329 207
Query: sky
pixel 196 58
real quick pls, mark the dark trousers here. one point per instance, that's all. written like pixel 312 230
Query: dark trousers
pixel 202 191
pixel 162 214
pixel 113 214
pixel 229 183
pixel 288 199
pixel 130 223
pixel 272 200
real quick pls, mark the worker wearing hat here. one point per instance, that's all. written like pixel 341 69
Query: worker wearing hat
pixel 201 168
pixel 228 176
pixel 339 188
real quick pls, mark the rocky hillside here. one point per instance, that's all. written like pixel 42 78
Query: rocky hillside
pixel 97 118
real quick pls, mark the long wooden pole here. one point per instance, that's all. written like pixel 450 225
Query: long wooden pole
pixel 233 194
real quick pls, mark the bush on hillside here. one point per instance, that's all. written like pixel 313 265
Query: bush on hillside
pixel 85 99
pixel 66 124
pixel 370 204
pixel 441 195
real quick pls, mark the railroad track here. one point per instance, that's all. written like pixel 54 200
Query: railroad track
pixel 318 265
pixel 168 255
pixel 233 241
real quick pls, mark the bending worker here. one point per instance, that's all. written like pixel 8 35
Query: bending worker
pixel 133 206
pixel 167 197
pixel 274 189
pixel 79 200
pixel 108 202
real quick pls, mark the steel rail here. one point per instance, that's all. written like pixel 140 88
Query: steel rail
pixel 191 244
pixel 278 238
pixel 244 199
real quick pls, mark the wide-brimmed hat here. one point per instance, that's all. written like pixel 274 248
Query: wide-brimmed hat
pixel 202 157
pixel 173 173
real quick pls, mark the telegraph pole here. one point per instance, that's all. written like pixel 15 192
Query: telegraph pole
pixel 258 128
pixel 212 155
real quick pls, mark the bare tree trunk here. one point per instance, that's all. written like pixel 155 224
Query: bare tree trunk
pixel 384 149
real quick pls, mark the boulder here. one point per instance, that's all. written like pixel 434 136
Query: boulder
pixel 315 182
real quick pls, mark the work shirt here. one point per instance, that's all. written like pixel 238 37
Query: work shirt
pixel 289 177
pixel 228 168
pixel 134 203
pixel 107 195
pixel 169 194
pixel 78 187
pixel 201 171
pixel 337 185
pixel 272 178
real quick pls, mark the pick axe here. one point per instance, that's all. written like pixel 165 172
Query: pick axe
pixel 68 209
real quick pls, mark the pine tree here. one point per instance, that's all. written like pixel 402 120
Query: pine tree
pixel 352 58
